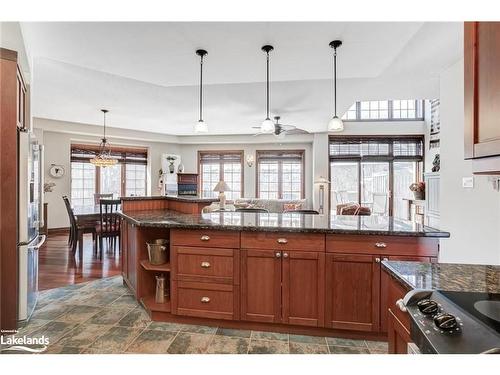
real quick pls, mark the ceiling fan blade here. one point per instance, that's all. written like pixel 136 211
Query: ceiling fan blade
pixel 287 127
pixel 296 131
pixel 255 127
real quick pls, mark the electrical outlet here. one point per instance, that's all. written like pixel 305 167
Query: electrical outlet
pixel 468 182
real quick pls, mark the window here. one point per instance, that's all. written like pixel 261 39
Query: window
pixel 375 172
pixel 215 166
pixel 385 110
pixel 82 184
pixel 280 174
pixel 126 178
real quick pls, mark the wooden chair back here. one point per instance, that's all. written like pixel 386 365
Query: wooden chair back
pixel 98 197
pixel 110 221
pixel 71 215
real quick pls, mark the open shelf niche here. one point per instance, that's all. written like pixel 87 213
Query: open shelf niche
pixel 147 272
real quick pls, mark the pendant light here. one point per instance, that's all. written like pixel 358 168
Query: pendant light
pixel 201 126
pixel 267 126
pixel 335 124
pixel 103 157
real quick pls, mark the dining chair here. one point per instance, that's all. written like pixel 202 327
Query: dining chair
pixel 99 196
pixel 109 227
pixel 77 230
pixel 303 211
pixel 261 210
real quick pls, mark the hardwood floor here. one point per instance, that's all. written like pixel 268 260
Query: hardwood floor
pixel 58 266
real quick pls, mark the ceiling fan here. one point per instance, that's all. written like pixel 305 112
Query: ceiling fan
pixel 281 129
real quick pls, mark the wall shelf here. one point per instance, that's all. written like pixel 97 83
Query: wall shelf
pixel 152 267
pixel 150 304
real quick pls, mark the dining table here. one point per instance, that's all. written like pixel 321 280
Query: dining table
pixel 85 214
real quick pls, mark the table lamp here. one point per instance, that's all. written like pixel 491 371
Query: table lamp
pixel 321 181
pixel 221 187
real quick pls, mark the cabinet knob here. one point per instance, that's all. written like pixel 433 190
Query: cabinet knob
pixel 400 304
pixel 205 238
pixel 385 259
pixel 205 264
pixel 285 255
pixel 380 245
pixel 282 240
pixel 278 254
pixel 205 300
pixel 377 260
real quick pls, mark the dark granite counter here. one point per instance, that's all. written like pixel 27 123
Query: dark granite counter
pixel 445 276
pixel 180 198
pixel 286 222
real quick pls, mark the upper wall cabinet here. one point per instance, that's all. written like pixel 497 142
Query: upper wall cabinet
pixel 482 95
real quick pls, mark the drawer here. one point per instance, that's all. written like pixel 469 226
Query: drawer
pixel 205 300
pixel 387 245
pixel 283 241
pixel 396 292
pixel 205 238
pixel 206 264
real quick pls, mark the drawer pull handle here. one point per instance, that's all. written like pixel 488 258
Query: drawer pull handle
pixel 205 264
pixel 278 254
pixel 205 300
pixel 380 245
pixel 385 259
pixel 401 305
pixel 282 240
pixel 205 238
pixel 377 260
pixel 285 255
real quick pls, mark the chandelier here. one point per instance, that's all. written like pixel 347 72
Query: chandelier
pixel 103 157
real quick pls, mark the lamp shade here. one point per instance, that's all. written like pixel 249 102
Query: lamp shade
pixel 321 180
pixel 222 187
pixel 201 127
pixel 267 127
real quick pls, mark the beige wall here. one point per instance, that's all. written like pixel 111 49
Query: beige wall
pixel 472 216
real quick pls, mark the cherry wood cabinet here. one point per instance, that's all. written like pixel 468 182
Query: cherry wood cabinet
pixel 398 322
pixel 261 285
pixel 353 288
pixel 482 95
pixel 303 288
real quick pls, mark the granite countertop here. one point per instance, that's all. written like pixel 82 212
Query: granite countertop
pixel 182 198
pixel 287 222
pixel 445 276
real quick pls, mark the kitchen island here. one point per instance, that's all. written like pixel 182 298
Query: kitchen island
pixel 314 274
pixel 455 287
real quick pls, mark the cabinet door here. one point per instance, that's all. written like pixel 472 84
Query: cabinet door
pixel 385 279
pixel 124 247
pixel 132 258
pixel 303 288
pixel 353 292
pixel 482 88
pixel 261 285
pixel 398 336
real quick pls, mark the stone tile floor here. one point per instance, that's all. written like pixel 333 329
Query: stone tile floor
pixel 102 317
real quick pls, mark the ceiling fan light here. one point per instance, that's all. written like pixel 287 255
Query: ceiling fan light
pixel 201 127
pixel 335 124
pixel 267 126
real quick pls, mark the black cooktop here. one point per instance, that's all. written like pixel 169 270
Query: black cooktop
pixel 483 306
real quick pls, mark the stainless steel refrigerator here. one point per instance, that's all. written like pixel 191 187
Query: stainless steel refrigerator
pixel 30 200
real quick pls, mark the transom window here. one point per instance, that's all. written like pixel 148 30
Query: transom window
pixel 280 174
pixel 385 110
pixel 126 178
pixel 215 166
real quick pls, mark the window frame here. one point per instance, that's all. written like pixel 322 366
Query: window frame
pixel 280 169
pixel 221 168
pixel 390 158
pixel 419 104
pixel 123 154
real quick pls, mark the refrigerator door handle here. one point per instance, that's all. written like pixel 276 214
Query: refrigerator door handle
pixel 41 200
pixel 41 241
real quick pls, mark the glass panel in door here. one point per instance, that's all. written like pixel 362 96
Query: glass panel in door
pixel 344 178
pixel 405 173
pixel 375 190
pixel 111 180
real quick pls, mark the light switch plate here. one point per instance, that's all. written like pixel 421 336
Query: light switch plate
pixel 468 182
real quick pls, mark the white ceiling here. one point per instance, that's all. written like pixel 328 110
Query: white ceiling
pixel 147 73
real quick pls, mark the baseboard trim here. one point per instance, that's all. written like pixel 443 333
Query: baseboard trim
pixel 62 230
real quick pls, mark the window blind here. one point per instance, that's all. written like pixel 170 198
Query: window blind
pixel 283 155
pixel 83 153
pixel 207 157
pixel 404 148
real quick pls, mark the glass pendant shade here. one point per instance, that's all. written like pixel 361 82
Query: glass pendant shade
pixel 335 124
pixel 267 126
pixel 201 127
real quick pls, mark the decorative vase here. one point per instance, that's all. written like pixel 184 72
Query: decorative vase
pixel 180 168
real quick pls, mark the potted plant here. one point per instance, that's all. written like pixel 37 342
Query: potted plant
pixel 418 189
